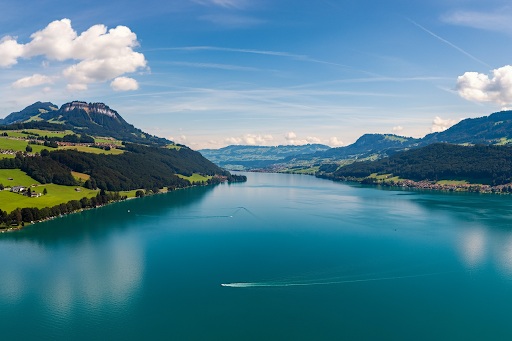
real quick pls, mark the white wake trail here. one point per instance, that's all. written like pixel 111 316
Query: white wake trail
pixel 293 284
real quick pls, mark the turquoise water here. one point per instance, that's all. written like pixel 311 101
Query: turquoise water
pixel 301 259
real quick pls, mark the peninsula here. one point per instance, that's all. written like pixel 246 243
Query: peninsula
pixel 56 161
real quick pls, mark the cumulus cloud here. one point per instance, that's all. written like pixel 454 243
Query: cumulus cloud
pixel 47 89
pixel 103 54
pixel 333 142
pixel 179 139
pixel 10 51
pixel 439 125
pixel 397 129
pixel 290 136
pixel 312 139
pixel 479 87
pixel 31 81
pixel 124 84
pixel 250 139
pixel 76 87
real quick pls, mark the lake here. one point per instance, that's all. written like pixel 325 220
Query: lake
pixel 280 257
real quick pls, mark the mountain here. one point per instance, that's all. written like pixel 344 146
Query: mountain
pixel 369 144
pixel 31 113
pixel 247 157
pixel 495 129
pixel 96 119
pixel 439 161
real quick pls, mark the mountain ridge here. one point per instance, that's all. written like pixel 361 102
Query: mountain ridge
pixel 81 117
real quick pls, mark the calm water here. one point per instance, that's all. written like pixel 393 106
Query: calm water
pixel 311 260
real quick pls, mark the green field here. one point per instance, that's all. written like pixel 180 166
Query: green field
pixel 20 145
pixel 14 133
pixel 50 133
pixel 37 118
pixel 80 175
pixel 7 156
pixel 100 140
pixel 194 177
pixel 173 146
pixel 18 178
pixel 93 150
pixel 55 121
pixel 395 138
pixel 453 182
pixel 395 178
pixel 57 194
pixel 380 177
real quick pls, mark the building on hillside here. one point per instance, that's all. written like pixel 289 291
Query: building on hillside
pixel 17 189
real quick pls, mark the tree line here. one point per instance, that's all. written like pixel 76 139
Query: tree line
pixel 139 167
pixel 439 161
pixel 29 214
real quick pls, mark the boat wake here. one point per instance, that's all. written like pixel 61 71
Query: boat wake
pixel 324 282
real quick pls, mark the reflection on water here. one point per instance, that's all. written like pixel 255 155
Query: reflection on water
pixel 303 257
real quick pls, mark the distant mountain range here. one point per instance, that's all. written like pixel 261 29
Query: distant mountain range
pixel 249 157
pixel 495 129
pixel 80 117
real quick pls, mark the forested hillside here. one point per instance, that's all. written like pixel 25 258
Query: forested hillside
pixel 440 161
pixel 139 167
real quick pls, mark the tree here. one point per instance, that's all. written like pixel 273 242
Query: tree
pixel 2 187
pixel 45 153
pixel 139 194
pixel 45 191
pixel 28 148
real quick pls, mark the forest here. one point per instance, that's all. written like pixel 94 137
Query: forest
pixel 440 161
pixel 139 167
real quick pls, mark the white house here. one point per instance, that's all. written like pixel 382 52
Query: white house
pixel 17 189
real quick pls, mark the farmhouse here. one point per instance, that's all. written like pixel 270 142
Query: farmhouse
pixel 17 189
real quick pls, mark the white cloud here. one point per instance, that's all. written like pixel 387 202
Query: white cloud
pixel 124 84
pixel 439 125
pixel 250 139
pixel 290 136
pixel 312 139
pixel 10 51
pixel 179 139
pixel 47 89
pixel 498 21
pixel 397 129
pixel 103 55
pixel 76 87
pixel 506 108
pixel 333 142
pixel 31 81
pixel 479 87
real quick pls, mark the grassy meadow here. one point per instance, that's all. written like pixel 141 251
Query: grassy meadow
pixel 18 178
pixel 57 194
pixel 194 177
pixel 21 145
pixel 93 150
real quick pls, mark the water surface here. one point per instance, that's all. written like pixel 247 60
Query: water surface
pixel 302 258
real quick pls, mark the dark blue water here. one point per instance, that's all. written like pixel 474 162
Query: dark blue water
pixel 302 258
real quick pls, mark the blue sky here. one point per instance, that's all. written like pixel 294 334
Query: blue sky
pixel 208 73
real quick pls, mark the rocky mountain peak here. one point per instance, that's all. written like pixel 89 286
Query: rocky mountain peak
pixel 97 108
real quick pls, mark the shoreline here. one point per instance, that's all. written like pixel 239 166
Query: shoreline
pixel 19 227
pixel 429 185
